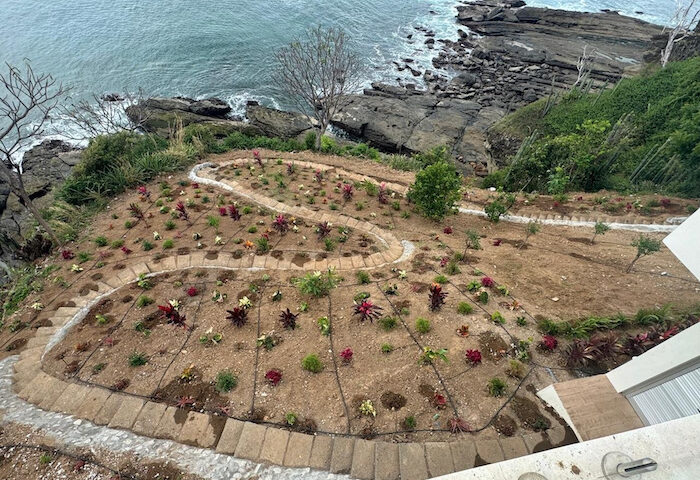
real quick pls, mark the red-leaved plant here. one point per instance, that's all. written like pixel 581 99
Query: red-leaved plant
pixel 548 343
pixel 143 191
pixel 439 401
pixel 273 377
pixel 436 296
pixel 291 168
pixel 281 224
pixel 233 212
pixel 488 282
pixel 346 355
pixel 258 158
pixel 222 211
pixel 347 191
pixel 182 211
pixel 318 176
pixel 288 319
pixel 447 230
pixel 238 316
pixel 173 315
pixel 67 255
pixel 382 195
pixel 456 425
pixel 323 229
pixel 126 250
pixel 192 291
pixel 137 213
pixel 473 356
pixel 367 310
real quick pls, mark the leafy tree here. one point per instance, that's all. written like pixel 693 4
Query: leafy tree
pixel 599 228
pixel 645 246
pixel 530 229
pixel 436 189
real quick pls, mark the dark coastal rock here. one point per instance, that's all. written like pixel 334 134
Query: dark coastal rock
pixel 45 166
pixel 278 123
pixel 162 115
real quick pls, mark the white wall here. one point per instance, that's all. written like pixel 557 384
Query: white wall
pixel 674 445
pixel 684 242
pixel 672 357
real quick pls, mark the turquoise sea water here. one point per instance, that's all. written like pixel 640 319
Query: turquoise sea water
pixel 224 48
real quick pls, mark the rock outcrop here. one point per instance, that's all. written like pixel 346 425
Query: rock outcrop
pixel 45 167
pixel 162 115
pixel 510 56
pixel 278 123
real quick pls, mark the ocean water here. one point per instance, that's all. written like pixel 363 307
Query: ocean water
pixel 226 48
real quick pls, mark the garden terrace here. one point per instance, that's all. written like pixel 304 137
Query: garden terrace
pixel 409 372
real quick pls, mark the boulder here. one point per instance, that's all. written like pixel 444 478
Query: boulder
pixel 45 167
pixel 161 115
pixel 278 123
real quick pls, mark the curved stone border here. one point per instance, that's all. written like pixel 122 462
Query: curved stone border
pixel 361 458
pixel 395 248
pixel 545 219
pixel 575 221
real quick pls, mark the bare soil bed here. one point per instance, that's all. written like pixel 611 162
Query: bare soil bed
pixel 557 275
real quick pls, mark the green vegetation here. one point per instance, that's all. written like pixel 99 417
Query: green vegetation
pixel 422 325
pixel 464 308
pixel 642 134
pixel 226 381
pixel 138 359
pixel 436 189
pixel 497 387
pixel 317 284
pixel 312 363
pixel 645 246
pixel 24 282
pixel 387 323
pixel 387 348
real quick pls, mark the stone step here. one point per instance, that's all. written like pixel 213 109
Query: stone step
pixel 341 456
pixel 412 462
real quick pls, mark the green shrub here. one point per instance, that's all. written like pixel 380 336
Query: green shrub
pixel 497 387
pixel 422 325
pixel 226 381
pixel 441 279
pixel 138 359
pixel 144 301
pixel 117 243
pixel 317 284
pixel 312 363
pixel 387 323
pixel 387 348
pixel 167 244
pixel 101 241
pixel 363 277
pixel 436 189
pixel 464 308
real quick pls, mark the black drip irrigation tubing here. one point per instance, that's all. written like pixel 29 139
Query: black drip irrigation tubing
pixel 413 337
pixel 257 356
pixel 335 363
pixel 63 453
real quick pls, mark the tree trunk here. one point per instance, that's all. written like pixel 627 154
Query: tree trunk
pixel 593 239
pixel 629 269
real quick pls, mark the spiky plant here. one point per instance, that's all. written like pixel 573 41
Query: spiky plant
pixel 436 297
pixel 238 316
pixel 281 224
pixel 136 212
pixel 291 168
pixel 258 158
pixel 323 229
pixel 367 310
pixel 382 194
pixel 347 191
pixel 288 319
pixel 233 212
pixel 457 425
pixel 182 211
pixel 581 353
pixel 174 317
pixel 607 344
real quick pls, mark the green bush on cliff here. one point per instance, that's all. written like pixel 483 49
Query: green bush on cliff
pixel 436 189
pixel 113 163
pixel 599 140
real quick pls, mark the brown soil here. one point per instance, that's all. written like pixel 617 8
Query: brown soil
pixel 554 277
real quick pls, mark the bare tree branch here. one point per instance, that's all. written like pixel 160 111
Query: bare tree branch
pixel 682 24
pixel 27 102
pixel 106 114
pixel 319 72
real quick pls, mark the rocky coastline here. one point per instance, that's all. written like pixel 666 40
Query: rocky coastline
pixel 507 55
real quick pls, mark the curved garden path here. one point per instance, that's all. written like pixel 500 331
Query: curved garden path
pixel 360 458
